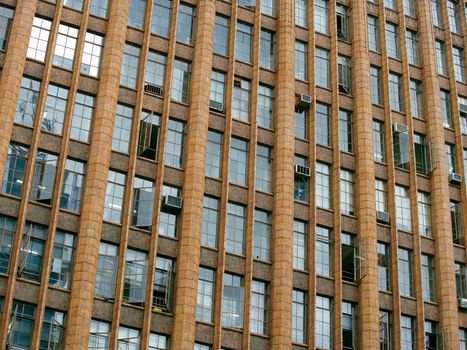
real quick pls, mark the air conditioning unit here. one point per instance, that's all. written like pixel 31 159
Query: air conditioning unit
pixel 303 101
pixel 301 170
pixel 455 178
pixel 237 83
pixel 217 106
pixel 382 217
pixel 462 303
pixel 154 89
pixel 172 203
pixel 400 128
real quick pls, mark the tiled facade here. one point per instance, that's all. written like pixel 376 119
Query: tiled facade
pixel 165 184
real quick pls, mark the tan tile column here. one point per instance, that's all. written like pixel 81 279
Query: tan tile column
pixel 193 188
pixel 87 250
pixel 441 218
pixel 10 83
pixel 368 307
pixel 283 208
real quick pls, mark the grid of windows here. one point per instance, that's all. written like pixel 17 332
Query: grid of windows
pixel 60 271
pixel 65 46
pixel 7 233
pixel 459 65
pixel 236 223
pixel 259 307
pixel 174 147
pixel 243 43
pixel 323 185
pixel 122 128
pixel 416 100
pixel 405 272
pixel 301 14
pixel 54 109
pixel 381 196
pixel 265 106
pixel 232 301
pixel 407 333
pixel 300 123
pixel 238 161
pixel 345 131
pixel 412 47
pixel 375 75
pixel 136 14
pixel 322 77
pixel 241 100
pixel 321 14
pixel 214 154
pixel 155 69
pixel 441 58
pixel 347 188
pixel 428 277
pixel 27 101
pixel 210 222
pixel 217 91
pixel 299 314
pixel 205 297
pixel 44 177
pixel 6 19
pixel 114 196
pixel 323 251
pixel 130 65
pixel 299 245
pixel 92 51
pixel 161 14
pixel 392 40
pixel 99 8
pixel 221 35
pixel 264 168
pixel 262 235
pixel 180 81
pixel 267 49
pixel 403 215
pixel 300 60
pixel 15 169
pixel 268 7
pixel 185 23
pixel 323 120
pixel 373 33
pixel 143 198
pixel 384 282
pixel 38 40
pixel 378 141
pixel 82 117
pixel 323 326
pixel 424 214
pixel 395 92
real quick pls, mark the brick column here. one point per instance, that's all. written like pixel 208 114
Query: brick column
pixel 441 219
pixel 193 187
pixel 365 178
pixel 87 250
pixel 283 208
pixel 14 63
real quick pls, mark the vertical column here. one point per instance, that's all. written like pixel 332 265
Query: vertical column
pixel 87 251
pixel 283 211
pixel 15 60
pixel 442 231
pixel 365 176
pixel 193 187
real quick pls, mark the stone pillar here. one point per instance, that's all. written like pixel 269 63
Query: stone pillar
pixel 368 307
pixel 283 206
pixel 193 188
pixel 10 83
pixel 87 250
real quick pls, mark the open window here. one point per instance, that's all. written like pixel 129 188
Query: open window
pixel 360 260
pixel 143 199
pixel 348 257
pixel 345 75
pixel 44 177
pixel 163 285
pixel 456 223
pixel 342 20
pixel 135 277
pixel 401 146
pixel 148 143
pixel 55 335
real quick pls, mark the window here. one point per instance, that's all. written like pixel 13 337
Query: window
pixel 301 14
pixel 60 272
pixel 7 233
pixel 53 329
pixel 268 7
pixel 390 4
pixel 161 14
pixel 32 249
pixel 214 154
pixel 422 154
pixel 322 67
pixel 461 281
pixel 143 198
pixel 6 19
pixel 375 75
pixel 342 19
pixel 456 223
pixel 106 270
pixel 73 180
pixel 221 35
pixel 264 168
pixel 407 333
pixel 243 42
pixel 217 91
pixel 345 76
pixel 345 131
pixel 300 60
pixel 384 276
pixel 409 8
pixel 180 81
pixel 238 161
pixel 186 20
pixel 299 316
pixel 424 214
pixel 323 185
pixel 450 158
pixel 395 92
pixel 265 106
pixel 403 215
pixel 321 14
pixel 416 100
pixel 168 218
pixel 412 47
pixel 128 338
pixel 99 8
pixel 164 277
pixel 300 122
pixel 428 277
pixel 114 196
pixel 267 48
pixel 54 110
pixel 250 4
pixel 348 257
pixel 148 142
pixel 15 169
pixel 323 251
pixel 38 40
pixel 405 272
pixel 378 141
pixel 436 13
pixel 232 301
pixel 210 222
pixel 158 342
pixel 259 307
pixel 27 101
pixel 136 14
pixel 205 298
pixel 441 58
pixel 431 336
pixel 82 117
pixel 44 177
pixel 65 46
pixel 99 335
pixel 122 128
pixel 236 222
pixel 199 346
pixel 20 327
pixel 459 66
pixel 134 287
pixel 463 338
pixel 323 322
pixel 446 108
pixel 301 182
pixel 262 235
pixel 174 147
pixel 385 334
pixel 130 66
pixel 347 192
pixel 155 73
pixel 92 51
pixel 74 4
pixel 373 34
pixel 323 121
pixel 299 245
pixel 349 326
pixel 392 40
pixel 453 16
pixel 381 196
pixel 241 100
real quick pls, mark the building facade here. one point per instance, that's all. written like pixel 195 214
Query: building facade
pixel 245 174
